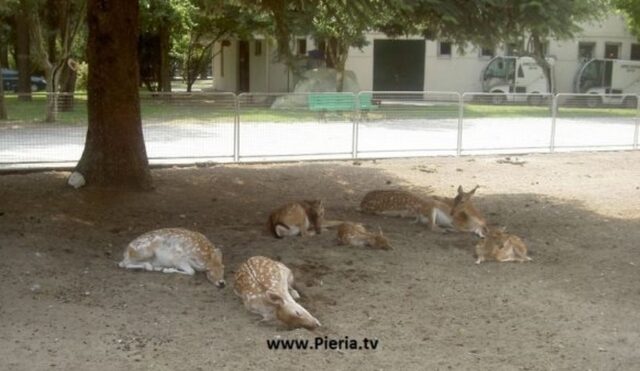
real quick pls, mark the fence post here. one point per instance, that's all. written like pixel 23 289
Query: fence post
pixel 554 113
pixel 635 131
pixel 460 123
pixel 236 128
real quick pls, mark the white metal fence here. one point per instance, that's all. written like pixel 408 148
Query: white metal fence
pixel 224 127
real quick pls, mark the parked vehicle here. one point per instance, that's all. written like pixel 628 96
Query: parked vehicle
pixel 610 81
pixel 10 81
pixel 504 75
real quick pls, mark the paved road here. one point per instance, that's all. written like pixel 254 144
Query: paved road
pixel 272 141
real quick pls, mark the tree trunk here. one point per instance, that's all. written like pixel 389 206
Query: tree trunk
pixel 165 61
pixel 67 84
pixel 538 55
pixel 22 52
pixel 3 109
pixel 338 52
pixel 4 55
pixel 114 153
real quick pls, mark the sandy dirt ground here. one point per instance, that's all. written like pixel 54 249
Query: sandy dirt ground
pixel 65 305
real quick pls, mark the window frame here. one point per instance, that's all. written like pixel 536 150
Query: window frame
pixel 442 55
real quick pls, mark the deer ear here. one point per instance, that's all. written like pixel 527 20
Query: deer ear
pixel 460 190
pixel 274 298
pixel 473 190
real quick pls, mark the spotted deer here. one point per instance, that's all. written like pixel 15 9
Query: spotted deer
pixel 355 234
pixel 501 246
pixel 266 288
pixel 464 215
pixel 175 250
pixel 426 210
pixel 297 218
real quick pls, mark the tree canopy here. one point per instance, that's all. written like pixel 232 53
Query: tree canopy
pixel 631 9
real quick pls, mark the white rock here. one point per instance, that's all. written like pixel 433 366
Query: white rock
pixel 76 180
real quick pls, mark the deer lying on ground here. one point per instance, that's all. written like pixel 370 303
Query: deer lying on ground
pixel 355 234
pixel 266 288
pixel 427 210
pixel 297 218
pixel 175 250
pixel 501 246
pixel 457 213
pixel 464 216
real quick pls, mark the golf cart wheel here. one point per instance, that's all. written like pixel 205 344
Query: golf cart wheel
pixel 630 102
pixel 535 100
pixel 594 102
pixel 498 98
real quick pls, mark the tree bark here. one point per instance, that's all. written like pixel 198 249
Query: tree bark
pixel 114 153
pixel 539 57
pixel 4 54
pixel 3 109
pixel 165 61
pixel 22 52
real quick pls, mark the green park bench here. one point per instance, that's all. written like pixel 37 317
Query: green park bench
pixel 340 102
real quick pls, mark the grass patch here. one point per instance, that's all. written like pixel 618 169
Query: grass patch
pixel 203 109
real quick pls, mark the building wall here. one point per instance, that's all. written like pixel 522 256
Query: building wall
pixel 265 73
pixel 225 67
pixel 460 72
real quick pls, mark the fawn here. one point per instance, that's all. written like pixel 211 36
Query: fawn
pixel 355 234
pixel 501 246
pixel 266 288
pixel 175 250
pixel 297 218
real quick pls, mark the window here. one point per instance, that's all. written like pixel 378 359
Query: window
pixel 486 52
pixel 611 51
pixel 444 49
pixel 635 52
pixel 257 47
pixel 586 51
pixel 302 46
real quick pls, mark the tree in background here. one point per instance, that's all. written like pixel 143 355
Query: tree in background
pixel 491 22
pixel 342 25
pixel 182 33
pixel 5 36
pixel 160 23
pixel 210 22
pixel 114 152
pixel 55 27
pixel 631 9
pixel 288 18
pixel 22 49
pixel 3 108
pixel 338 25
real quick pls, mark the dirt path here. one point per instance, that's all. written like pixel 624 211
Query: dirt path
pixel 65 305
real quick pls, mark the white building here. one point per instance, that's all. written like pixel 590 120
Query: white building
pixel 414 64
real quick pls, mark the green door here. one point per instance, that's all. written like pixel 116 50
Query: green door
pixel 398 65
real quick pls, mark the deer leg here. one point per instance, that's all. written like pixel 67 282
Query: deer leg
pixel 130 265
pixel 182 269
pixel 290 284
